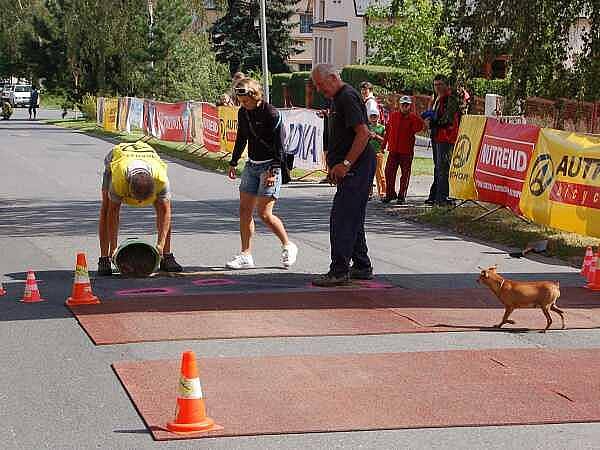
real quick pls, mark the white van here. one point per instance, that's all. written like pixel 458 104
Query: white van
pixel 20 95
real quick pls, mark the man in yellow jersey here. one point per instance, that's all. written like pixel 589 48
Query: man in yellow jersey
pixel 134 174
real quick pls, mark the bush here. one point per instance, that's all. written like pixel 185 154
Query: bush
pixel 388 79
pixel 482 86
pixel 7 110
pixel 88 106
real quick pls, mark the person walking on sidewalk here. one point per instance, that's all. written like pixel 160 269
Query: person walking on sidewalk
pixel 351 162
pixel 259 126
pixel 376 133
pixel 136 175
pixel 444 120
pixel 399 139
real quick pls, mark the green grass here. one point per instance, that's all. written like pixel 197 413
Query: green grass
pixel 504 228
pixel 422 166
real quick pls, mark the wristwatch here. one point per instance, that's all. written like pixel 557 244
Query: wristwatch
pixel 347 163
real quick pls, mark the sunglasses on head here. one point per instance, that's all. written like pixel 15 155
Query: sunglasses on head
pixel 243 91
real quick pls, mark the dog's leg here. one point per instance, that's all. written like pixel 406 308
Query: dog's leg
pixel 560 313
pixel 548 318
pixel 507 312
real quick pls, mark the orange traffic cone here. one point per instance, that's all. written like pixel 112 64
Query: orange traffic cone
pixel 190 415
pixel 82 291
pixel 587 262
pixel 32 293
pixel 594 280
pixel 592 272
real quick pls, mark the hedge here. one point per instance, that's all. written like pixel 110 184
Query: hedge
pixel 389 79
pixel 277 81
pixel 482 86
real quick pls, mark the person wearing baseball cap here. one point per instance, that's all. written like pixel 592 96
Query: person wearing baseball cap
pixel 399 139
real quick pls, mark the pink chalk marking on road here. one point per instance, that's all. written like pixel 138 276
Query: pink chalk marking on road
pixel 148 291
pixel 214 282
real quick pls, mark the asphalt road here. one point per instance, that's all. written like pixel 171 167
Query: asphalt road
pixel 57 390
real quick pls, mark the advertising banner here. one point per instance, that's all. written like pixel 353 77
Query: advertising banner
pixel 172 121
pixel 135 116
pixel 196 127
pixel 149 123
pixel 210 127
pixel 563 183
pixel 503 161
pixel 111 107
pixel 302 134
pixel 464 156
pixel 228 116
pixel 123 113
pixel 100 111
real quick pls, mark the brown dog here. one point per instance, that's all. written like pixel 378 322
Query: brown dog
pixel 519 294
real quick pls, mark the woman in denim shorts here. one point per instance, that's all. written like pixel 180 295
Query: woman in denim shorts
pixel 259 126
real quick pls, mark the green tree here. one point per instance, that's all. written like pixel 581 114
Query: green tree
pixel 406 35
pixel 237 40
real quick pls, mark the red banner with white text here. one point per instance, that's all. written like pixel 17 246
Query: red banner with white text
pixel 211 130
pixel 502 162
pixel 172 121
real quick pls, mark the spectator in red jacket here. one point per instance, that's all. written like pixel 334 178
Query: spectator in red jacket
pixel 400 142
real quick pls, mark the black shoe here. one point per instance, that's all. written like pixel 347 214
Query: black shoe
pixel 331 280
pixel 430 201
pixel 104 267
pixel 361 274
pixel 168 264
pixel 444 203
pixel 387 199
pixel 400 201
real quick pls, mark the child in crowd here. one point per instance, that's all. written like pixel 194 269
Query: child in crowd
pixel 399 139
pixel 377 131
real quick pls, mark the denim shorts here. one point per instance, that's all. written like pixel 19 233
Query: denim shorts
pixel 253 180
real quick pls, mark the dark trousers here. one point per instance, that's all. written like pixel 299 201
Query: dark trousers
pixel 395 160
pixel 440 189
pixel 347 219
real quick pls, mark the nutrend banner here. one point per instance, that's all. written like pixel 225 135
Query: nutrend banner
pixel 228 123
pixel 563 183
pixel 210 127
pixel 302 132
pixel 503 161
pixel 464 156
pixel 172 121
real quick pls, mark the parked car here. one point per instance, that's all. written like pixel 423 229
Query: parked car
pixel 20 95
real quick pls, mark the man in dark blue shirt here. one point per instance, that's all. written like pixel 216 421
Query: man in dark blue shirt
pixel 351 162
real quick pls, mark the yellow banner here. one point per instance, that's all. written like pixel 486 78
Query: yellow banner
pixel 228 127
pixel 562 188
pixel 111 107
pixel 464 157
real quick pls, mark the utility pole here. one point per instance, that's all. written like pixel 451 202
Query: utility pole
pixel 263 40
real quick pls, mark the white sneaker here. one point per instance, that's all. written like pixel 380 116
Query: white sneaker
pixel 289 254
pixel 241 262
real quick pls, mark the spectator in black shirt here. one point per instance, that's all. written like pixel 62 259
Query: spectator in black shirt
pixel 259 126
pixel 34 102
pixel 351 163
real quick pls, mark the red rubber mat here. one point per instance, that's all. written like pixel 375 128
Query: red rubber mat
pixel 319 313
pixel 302 394
pixel 238 316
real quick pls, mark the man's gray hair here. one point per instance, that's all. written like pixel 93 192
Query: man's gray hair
pixel 325 70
